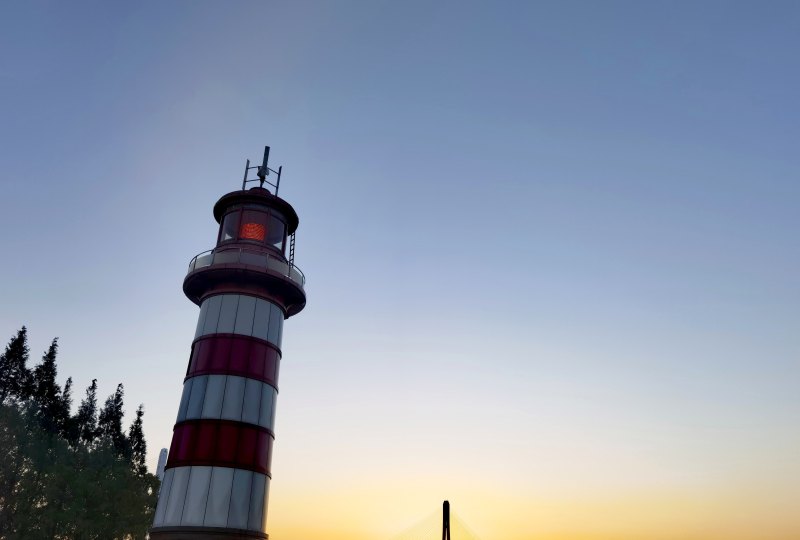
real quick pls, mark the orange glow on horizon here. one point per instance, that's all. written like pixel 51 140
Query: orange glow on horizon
pixel 364 511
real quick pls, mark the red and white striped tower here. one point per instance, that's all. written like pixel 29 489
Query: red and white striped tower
pixel 218 471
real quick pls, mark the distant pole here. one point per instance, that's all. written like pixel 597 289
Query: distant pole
pixel 446 520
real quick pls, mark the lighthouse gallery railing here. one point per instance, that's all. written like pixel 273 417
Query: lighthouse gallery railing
pixel 263 261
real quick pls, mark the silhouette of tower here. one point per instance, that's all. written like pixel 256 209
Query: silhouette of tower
pixel 218 470
pixel 446 520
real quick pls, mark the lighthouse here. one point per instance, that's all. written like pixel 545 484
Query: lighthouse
pixel 217 475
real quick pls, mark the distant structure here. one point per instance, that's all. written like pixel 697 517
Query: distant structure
pixel 445 523
pixel 446 520
pixel 217 475
pixel 162 462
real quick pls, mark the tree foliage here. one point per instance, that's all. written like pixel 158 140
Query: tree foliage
pixel 67 477
pixel 51 408
pixel 86 419
pixel 109 422
pixel 16 380
pixel 137 444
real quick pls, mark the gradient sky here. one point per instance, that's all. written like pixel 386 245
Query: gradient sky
pixel 552 248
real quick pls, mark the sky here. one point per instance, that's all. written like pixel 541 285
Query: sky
pixel 551 248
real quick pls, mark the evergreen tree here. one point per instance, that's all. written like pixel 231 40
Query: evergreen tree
pixel 138 444
pixel 15 377
pixel 49 490
pixel 56 481
pixel 47 393
pixel 109 422
pixel 69 426
pixel 86 419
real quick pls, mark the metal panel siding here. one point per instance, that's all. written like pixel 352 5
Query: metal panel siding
pixel 240 352
pixel 197 397
pixel 246 451
pixel 264 360
pixel 274 406
pixel 279 341
pixel 205 447
pixel 252 401
pixel 201 320
pixel 219 497
pixel 264 321
pixel 221 443
pixel 201 356
pixel 221 352
pixel 215 390
pixel 228 441
pixel 173 447
pixel 277 367
pixel 187 390
pixel 194 509
pixel 227 397
pixel 262 447
pixel 245 315
pixel 186 439
pixel 163 497
pixel 265 413
pixel 261 320
pixel 275 324
pixel 177 496
pixel 234 394
pixel 257 493
pixel 212 315
pixel 240 499
pixel 266 505
pixel 227 313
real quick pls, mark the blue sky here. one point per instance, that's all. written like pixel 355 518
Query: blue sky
pixel 562 233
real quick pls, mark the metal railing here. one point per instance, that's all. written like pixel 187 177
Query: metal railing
pixel 264 261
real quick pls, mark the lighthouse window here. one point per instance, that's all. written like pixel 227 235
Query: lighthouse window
pixel 251 225
pixel 254 226
pixel 230 224
pixel 277 232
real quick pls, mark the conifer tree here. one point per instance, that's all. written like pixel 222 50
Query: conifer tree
pixel 51 487
pixel 109 422
pixel 138 444
pixel 68 425
pixel 86 419
pixel 15 377
pixel 47 392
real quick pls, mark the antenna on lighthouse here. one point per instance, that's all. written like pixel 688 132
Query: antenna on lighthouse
pixel 262 172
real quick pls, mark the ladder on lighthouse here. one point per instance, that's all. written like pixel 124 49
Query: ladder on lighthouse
pixel 291 250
